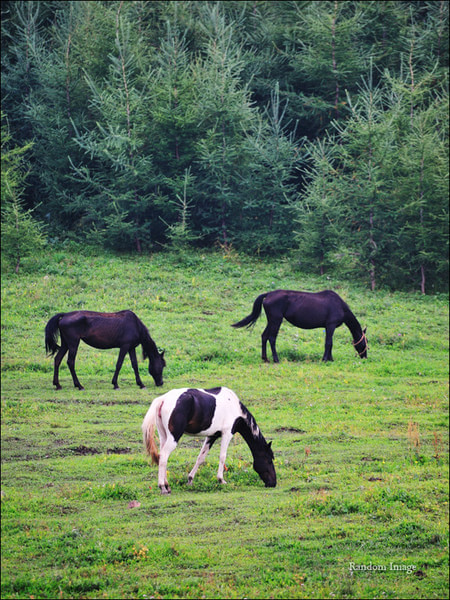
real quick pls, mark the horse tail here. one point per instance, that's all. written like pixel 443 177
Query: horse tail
pixel 51 334
pixel 148 430
pixel 254 315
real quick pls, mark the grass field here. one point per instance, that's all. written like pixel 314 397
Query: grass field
pixel 361 447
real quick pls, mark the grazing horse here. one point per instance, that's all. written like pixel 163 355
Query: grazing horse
pixel 211 413
pixel 308 311
pixel 102 330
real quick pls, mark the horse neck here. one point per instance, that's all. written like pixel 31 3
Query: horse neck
pixel 147 342
pixel 250 431
pixel 353 324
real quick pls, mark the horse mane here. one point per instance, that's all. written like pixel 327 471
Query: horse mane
pixel 149 347
pixel 248 428
pixel 352 322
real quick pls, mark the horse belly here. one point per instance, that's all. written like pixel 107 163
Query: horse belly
pixel 192 429
pixel 305 323
pixel 98 342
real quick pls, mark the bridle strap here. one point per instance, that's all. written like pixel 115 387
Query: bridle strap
pixel 363 337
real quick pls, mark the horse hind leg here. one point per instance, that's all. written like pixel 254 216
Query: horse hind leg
pixel 58 359
pixel 270 334
pixel 201 457
pixel 71 365
pixel 165 451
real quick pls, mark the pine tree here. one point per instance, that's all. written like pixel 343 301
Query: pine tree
pixel 224 114
pixel 119 176
pixel 22 234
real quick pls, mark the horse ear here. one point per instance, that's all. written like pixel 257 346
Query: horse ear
pixel 365 329
pixel 270 444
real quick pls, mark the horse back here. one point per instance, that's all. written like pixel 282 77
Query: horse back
pixel 306 310
pixel 200 412
pixel 101 330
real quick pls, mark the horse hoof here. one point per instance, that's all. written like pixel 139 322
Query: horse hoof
pixel 58 387
pixel 190 480
pixel 142 387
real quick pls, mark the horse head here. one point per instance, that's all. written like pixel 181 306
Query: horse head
pixel 361 344
pixel 156 366
pixel 263 465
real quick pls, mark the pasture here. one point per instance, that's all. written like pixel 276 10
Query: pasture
pixel 361 446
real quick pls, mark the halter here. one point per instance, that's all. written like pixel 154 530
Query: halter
pixel 363 337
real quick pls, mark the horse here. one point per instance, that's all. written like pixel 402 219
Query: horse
pixel 121 330
pixel 306 310
pixel 210 413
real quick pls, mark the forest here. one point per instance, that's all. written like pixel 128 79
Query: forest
pixel 316 130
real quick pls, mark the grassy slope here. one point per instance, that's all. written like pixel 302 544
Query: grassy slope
pixel 361 446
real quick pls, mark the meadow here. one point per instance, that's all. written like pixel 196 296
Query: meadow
pixel 361 446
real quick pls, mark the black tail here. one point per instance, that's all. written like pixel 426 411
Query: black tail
pixel 51 334
pixel 253 317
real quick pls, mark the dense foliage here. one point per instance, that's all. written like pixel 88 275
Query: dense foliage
pixel 318 127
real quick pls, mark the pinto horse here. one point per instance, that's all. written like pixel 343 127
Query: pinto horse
pixel 211 413
pixel 121 330
pixel 308 311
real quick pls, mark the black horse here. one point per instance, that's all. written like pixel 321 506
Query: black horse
pixel 308 311
pixel 102 330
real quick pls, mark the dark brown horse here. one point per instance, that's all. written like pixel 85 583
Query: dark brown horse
pixel 121 330
pixel 308 311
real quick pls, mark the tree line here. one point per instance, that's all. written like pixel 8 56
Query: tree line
pixel 318 129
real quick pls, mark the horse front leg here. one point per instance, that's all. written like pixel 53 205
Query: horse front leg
pixel 327 355
pixel 58 359
pixel 122 353
pixel 224 443
pixel 71 364
pixel 203 454
pixel 134 364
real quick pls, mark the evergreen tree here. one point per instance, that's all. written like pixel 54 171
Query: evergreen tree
pixel 319 212
pixel 224 114
pixel 22 234
pixel 267 210
pixel 119 177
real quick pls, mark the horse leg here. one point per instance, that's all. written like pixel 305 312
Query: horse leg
pixel 134 364
pixel 327 356
pixel 58 359
pixel 224 443
pixel 122 353
pixel 165 451
pixel 270 333
pixel 71 363
pixel 201 457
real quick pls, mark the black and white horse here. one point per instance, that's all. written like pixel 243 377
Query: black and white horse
pixel 210 413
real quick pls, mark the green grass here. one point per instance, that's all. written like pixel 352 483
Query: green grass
pixel 361 447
